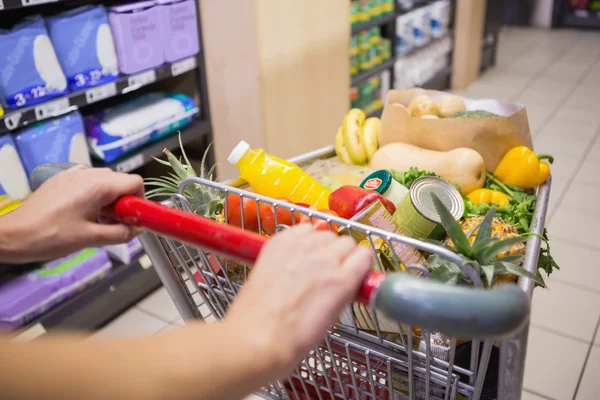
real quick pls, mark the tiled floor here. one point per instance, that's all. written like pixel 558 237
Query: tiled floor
pixel 556 74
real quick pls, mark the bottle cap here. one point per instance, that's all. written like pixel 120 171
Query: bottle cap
pixel 378 181
pixel 237 152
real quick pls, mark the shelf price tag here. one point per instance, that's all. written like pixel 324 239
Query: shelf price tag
pixel 185 65
pixel 35 2
pixel 52 108
pixel 101 92
pixel 143 78
pixel 145 261
pixel 130 164
pixel 31 333
pixel 11 121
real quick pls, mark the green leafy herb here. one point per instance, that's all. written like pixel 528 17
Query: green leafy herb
pixel 518 213
pixel 407 178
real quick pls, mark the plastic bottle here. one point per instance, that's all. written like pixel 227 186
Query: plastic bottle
pixel 274 177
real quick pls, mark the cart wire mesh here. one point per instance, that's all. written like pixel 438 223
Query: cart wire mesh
pixel 364 355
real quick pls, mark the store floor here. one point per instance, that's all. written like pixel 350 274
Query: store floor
pixel 557 75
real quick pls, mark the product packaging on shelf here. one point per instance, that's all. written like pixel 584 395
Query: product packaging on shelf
pixel 27 296
pixel 419 67
pixel 124 253
pixel 404 33
pixel 29 69
pixel 85 47
pixel 137 33
pixel 54 141
pixel 440 18
pixel 179 29
pixel 128 126
pixel 14 185
pixel 490 137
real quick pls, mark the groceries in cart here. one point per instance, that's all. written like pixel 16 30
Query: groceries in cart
pixel 444 189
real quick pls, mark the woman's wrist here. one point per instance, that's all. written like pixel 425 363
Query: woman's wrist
pixel 12 246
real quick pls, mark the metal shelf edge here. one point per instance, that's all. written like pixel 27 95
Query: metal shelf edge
pixel 196 130
pixel 53 108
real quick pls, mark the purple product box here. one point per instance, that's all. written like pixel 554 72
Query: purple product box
pixel 179 29
pixel 125 252
pixel 24 298
pixel 137 34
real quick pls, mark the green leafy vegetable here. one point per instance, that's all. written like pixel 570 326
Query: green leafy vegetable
pixel 407 178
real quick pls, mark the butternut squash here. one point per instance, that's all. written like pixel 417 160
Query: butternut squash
pixel 462 166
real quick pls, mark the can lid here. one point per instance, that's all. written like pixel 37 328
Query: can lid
pixel 237 152
pixel 421 192
pixel 378 181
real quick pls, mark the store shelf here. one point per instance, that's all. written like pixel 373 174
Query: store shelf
pixel 12 4
pixel 373 22
pixel 582 19
pixel 25 116
pixel 375 113
pixel 439 81
pixel 196 130
pixel 99 303
pixel 362 77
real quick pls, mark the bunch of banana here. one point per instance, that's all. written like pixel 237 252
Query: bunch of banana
pixel 357 139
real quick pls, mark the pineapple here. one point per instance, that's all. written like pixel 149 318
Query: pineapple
pixel 501 230
pixel 492 249
pixel 206 202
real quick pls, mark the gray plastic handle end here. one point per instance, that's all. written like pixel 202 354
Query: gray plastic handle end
pixel 453 310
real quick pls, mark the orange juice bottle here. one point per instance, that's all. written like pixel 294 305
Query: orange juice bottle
pixel 274 177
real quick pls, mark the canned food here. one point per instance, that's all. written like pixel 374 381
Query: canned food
pixel 377 216
pixel 382 182
pixel 417 216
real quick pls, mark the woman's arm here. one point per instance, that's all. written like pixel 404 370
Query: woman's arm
pixel 197 362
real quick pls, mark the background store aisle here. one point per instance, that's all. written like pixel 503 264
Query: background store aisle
pixel 557 75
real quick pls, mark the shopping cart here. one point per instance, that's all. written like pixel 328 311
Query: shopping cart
pixel 365 355
pixel 358 359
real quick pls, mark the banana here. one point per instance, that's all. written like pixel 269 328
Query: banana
pixel 340 149
pixel 352 133
pixel 371 136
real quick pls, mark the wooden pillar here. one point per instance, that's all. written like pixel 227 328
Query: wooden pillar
pixel 278 73
pixel 468 40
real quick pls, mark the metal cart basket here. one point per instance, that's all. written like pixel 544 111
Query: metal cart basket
pixel 364 356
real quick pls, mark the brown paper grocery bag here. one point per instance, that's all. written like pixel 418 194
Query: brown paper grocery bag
pixel 491 137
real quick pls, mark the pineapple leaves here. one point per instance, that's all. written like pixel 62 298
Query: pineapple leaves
pixel 502 267
pixel 452 227
pixel 493 250
pixel 489 272
pixel 443 270
pixel 485 229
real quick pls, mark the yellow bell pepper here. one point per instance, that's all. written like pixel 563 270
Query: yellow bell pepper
pixel 522 168
pixel 488 196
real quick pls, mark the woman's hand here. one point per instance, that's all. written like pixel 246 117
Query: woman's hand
pixel 65 215
pixel 298 287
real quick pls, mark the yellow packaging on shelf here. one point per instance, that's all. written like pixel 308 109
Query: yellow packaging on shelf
pixel 8 206
pixel 277 178
pixel 1 111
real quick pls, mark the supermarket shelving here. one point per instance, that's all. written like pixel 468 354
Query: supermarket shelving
pixel 386 19
pixel 375 113
pixel 582 19
pixel 15 119
pixel 363 76
pixel 98 304
pixel 127 284
pixel 198 129
pixel 440 81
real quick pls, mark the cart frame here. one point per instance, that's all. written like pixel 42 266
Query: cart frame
pixel 352 362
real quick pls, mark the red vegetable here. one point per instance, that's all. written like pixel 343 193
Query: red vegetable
pixel 234 216
pixel 267 217
pixel 320 224
pixel 348 201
